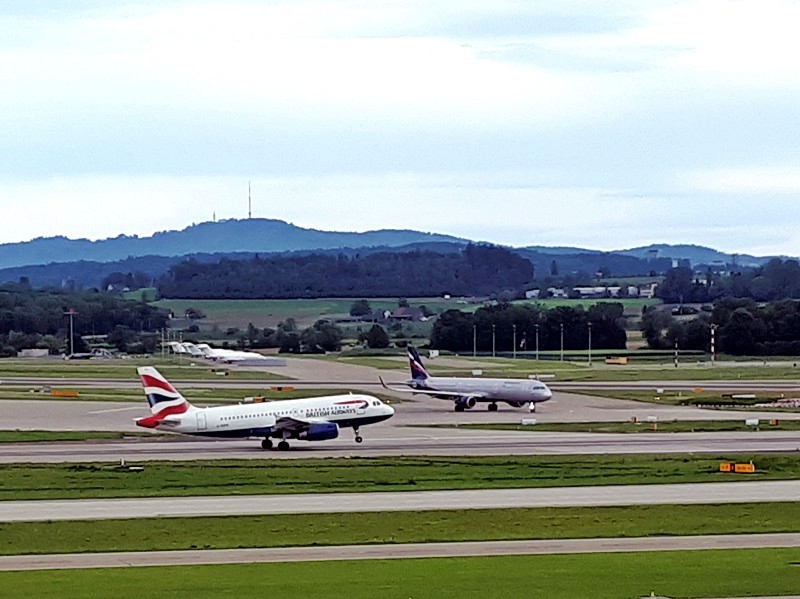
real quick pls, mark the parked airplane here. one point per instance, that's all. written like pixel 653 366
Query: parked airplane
pixel 466 392
pixel 203 350
pixel 309 419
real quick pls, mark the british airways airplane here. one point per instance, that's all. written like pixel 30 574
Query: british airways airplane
pixel 309 419
pixel 466 392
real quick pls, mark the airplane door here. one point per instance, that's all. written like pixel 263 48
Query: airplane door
pixel 201 421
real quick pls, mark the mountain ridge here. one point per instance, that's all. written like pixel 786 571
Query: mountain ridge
pixel 259 235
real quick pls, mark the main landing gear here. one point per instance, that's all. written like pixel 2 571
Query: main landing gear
pixel 359 438
pixel 282 446
pixel 459 407
pixel 492 407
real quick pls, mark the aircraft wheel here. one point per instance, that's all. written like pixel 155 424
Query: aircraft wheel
pixel 283 446
pixel 492 407
pixel 266 444
pixel 459 407
pixel 359 438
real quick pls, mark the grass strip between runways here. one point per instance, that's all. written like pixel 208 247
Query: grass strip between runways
pixel 290 530
pixel 718 573
pixel 254 477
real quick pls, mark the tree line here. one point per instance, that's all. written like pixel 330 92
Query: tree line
pixel 477 270
pixel 776 280
pixel 742 327
pixel 39 319
pixel 502 325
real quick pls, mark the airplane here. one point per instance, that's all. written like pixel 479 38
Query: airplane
pixel 466 392
pixel 308 419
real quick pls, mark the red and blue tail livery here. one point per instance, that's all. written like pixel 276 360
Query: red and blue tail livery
pixel 164 400
pixel 309 419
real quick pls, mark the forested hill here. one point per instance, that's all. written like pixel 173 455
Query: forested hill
pixel 251 235
pixel 477 270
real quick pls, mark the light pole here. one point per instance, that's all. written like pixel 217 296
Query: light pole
pixel 536 326
pixel 474 340
pixel 590 344
pixel 71 313
pixel 713 343
pixel 514 349
pixel 493 344
pixel 561 326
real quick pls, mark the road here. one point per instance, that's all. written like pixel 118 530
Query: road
pixel 401 551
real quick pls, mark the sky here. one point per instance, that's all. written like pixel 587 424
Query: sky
pixel 604 125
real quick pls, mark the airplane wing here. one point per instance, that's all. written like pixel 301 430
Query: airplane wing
pixel 434 393
pixel 294 424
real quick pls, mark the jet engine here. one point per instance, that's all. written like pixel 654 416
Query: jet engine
pixel 321 432
pixel 467 402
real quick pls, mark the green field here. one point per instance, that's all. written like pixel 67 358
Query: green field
pixel 662 426
pixel 299 530
pixel 198 395
pixel 246 477
pixel 269 312
pixel 698 397
pixel 170 367
pixel 59 436
pixel 729 573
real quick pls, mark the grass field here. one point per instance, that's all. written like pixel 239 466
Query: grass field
pixel 698 397
pixel 663 426
pixel 245 477
pixel 299 530
pixel 58 436
pixel 729 573
pixel 170 367
pixel 200 396
pixel 269 312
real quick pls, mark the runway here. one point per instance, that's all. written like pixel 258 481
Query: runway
pixel 326 503
pixel 407 433
pixel 399 551
pixel 406 442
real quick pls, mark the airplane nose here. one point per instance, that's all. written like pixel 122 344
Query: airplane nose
pixel 389 409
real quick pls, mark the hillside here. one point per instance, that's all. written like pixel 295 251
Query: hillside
pixel 250 235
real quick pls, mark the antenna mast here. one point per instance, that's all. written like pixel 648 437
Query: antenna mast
pixel 249 203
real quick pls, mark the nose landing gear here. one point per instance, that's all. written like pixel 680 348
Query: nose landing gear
pixel 359 438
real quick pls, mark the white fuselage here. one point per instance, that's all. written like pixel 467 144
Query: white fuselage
pixel 256 419
pixel 513 391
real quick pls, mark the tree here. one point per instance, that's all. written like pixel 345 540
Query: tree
pixel 377 338
pixel 360 307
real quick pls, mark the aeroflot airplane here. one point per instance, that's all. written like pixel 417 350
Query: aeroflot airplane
pixel 310 419
pixel 465 392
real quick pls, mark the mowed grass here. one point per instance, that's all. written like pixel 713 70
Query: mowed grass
pixel 341 475
pixel 299 530
pixel 698 397
pixel 201 396
pixel 269 312
pixel 662 426
pixel 59 436
pixel 171 367
pixel 725 573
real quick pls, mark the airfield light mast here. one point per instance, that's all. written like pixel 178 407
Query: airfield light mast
pixel 249 203
pixel 71 312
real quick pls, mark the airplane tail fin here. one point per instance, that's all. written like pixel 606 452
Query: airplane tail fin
pixel 418 371
pixel 163 398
